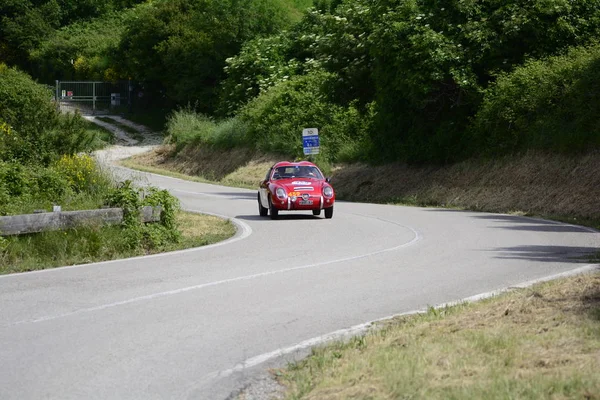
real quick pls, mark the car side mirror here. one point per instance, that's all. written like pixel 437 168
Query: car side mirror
pixel 328 180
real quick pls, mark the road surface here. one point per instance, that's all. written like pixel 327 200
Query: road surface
pixel 200 324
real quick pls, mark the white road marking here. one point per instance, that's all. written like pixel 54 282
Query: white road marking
pixel 414 240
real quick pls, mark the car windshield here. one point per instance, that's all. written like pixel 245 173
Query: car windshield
pixel 298 171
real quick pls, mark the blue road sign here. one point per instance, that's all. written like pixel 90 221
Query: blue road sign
pixel 310 141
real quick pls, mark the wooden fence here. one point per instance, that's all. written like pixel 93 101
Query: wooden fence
pixel 47 221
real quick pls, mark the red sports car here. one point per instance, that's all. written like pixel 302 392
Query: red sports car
pixel 295 186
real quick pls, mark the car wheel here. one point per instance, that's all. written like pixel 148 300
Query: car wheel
pixel 273 211
pixel 317 212
pixel 329 212
pixel 263 211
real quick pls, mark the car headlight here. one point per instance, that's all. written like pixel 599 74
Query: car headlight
pixel 327 191
pixel 280 193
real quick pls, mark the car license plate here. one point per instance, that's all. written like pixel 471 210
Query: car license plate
pixel 305 202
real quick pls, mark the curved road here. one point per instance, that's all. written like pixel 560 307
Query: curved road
pixel 201 323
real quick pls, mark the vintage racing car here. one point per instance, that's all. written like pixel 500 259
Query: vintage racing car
pixel 295 186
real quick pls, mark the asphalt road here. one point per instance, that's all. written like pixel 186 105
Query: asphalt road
pixel 201 323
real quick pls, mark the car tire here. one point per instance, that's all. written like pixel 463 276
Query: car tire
pixel 316 213
pixel 329 212
pixel 274 213
pixel 262 211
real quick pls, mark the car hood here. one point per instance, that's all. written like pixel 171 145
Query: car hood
pixel 301 185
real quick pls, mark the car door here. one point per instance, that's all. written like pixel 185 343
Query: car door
pixel 264 190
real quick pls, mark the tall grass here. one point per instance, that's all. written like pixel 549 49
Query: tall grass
pixel 187 127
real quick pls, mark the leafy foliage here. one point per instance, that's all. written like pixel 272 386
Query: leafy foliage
pixel 81 50
pixel 136 234
pixel 33 130
pixel 179 47
pixel 25 188
pixel 550 104
pixel 276 117
pixel 186 126
pixel 80 171
pixel 417 68
pixel 261 64
pixel 25 24
pixel 448 52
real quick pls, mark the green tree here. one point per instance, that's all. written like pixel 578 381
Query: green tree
pixel 81 51
pixel 23 26
pixel 433 58
pixel 178 48
pixel 549 104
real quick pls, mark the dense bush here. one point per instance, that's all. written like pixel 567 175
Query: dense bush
pixel 261 64
pixel 277 117
pixel 550 104
pixel 447 53
pixel 417 69
pixel 24 188
pixel 81 50
pixel 25 24
pixel 320 41
pixel 32 129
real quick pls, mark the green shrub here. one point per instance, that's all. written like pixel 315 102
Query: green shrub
pixel 277 117
pixel 230 133
pixel 261 64
pixel 178 48
pixel 551 104
pixel 81 172
pixel 136 234
pixel 27 108
pixel 88 44
pixel 31 129
pixel 186 126
pixel 50 184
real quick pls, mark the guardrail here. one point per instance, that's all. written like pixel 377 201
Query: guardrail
pixel 45 221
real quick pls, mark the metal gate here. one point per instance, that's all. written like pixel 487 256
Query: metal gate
pixel 94 98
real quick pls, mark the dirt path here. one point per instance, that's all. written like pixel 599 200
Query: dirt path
pixel 126 146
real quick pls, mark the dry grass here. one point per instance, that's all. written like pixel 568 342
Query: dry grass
pixel 195 226
pixel 541 342
pixel 532 184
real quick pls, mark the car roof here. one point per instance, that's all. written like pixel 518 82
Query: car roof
pixel 294 164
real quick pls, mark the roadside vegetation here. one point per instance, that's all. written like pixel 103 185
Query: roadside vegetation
pixel 541 342
pixel 45 160
pixel 93 243
pixel 483 79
